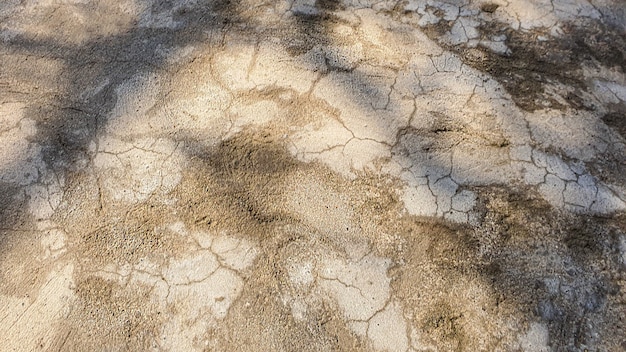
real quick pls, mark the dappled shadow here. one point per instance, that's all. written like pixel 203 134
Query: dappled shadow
pixel 243 174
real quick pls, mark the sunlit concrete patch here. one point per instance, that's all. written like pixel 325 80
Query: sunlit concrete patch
pixel 301 274
pixel 198 304
pixel 273 66
pixel 53 242
pixel 135 98
pixel 233 65
pixel 546 13
pixel 192 103
pixel 195 268
pixel 201 288
pixel 536 339
pixel 344 271
pixel 611 92
pixel 360 288
pixel 420 200
pixel 28 323
pixel 442 83
pixel 363 99
pixel 607 201
pixel 467 16
pixel 195 289
pixel 363 154
pixel 20 158
pixel 470 163
pixel 132 171
pixel 256 113
pixel 234 253
pixel 11 113
pixel 388 330
pixel 330 213
pixel 556 129
pixel 206 102
pixel 309 142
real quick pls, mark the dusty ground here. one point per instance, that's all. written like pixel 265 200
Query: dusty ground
pixel 307 175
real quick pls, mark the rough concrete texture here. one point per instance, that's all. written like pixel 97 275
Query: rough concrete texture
pixel 312 175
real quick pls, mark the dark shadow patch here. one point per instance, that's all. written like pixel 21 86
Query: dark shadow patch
pixel 308 32
pixel 616 119
pixel 555 266
pixel 489 7
pixel 439 264
pixel 582 240
pixel 12 204
pixel 538 60
pixel 611 167
pixel 329 5
pixel 240 184
pixel 442 324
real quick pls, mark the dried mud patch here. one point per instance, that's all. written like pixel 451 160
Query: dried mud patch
pixel 245 186
pixel 442 323
pixel 489 7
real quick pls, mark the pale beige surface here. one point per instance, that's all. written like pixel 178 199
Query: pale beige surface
pixel 312 175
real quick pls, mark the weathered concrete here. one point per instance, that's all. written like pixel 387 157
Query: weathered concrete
pixel 312 175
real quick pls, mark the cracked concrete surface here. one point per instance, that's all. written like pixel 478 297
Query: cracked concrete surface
pixel 415 175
